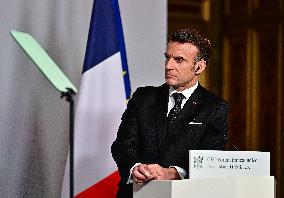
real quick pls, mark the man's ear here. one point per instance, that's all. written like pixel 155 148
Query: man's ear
pixel 200 67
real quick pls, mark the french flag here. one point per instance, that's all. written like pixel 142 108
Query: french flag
pixel 103 93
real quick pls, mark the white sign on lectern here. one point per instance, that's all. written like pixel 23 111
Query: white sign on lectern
pixel 209 163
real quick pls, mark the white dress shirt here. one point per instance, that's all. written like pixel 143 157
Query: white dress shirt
pixel 187 93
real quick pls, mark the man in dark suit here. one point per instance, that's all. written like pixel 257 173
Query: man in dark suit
pixel 161 124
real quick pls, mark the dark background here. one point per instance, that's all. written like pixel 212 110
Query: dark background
pixel 246 68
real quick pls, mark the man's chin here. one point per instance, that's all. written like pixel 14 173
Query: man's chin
pixel 170 83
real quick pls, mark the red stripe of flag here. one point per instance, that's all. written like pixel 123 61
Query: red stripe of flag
pixel 102 188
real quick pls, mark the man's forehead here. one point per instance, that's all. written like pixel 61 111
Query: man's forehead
pixel 176 49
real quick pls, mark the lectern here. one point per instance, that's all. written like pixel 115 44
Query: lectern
pixel 219 187
pixel 217 174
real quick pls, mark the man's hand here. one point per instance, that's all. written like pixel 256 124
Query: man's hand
pixel 143 173
pixel 161 173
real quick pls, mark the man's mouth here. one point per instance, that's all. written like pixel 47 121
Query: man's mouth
pixel 169 76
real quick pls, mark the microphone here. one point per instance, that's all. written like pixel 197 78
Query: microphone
pixel 227 139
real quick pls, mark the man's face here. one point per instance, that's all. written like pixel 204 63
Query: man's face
pixel 179 65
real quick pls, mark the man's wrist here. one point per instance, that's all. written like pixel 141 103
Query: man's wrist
pixel 174 174
pixel 181 172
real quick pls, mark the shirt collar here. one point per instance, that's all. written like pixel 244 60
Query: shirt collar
pixel 187 92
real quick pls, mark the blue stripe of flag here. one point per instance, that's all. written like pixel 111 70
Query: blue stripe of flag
pixel 106 38
pixel 122 49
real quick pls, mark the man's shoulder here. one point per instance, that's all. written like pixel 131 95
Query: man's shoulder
pixel 211 96
pixel 151 90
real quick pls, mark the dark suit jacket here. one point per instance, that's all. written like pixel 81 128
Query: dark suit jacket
pixel 142 136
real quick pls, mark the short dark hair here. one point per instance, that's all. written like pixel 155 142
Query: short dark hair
pixel 188 35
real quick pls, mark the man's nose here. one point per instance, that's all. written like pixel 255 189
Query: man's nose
pixel 169 63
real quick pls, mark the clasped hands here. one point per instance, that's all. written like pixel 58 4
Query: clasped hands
pixel 143 173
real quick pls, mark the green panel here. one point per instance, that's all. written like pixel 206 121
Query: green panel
pixel 43 61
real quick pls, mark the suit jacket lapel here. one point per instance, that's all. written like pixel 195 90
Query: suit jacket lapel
pixel 161 113
pixel 189 110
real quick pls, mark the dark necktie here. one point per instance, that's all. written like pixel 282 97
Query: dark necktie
pixel 175 110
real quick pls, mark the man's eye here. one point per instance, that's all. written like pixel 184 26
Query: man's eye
pixel 179 60
pixel 167 57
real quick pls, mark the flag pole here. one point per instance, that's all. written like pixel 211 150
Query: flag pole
pixel 69 98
